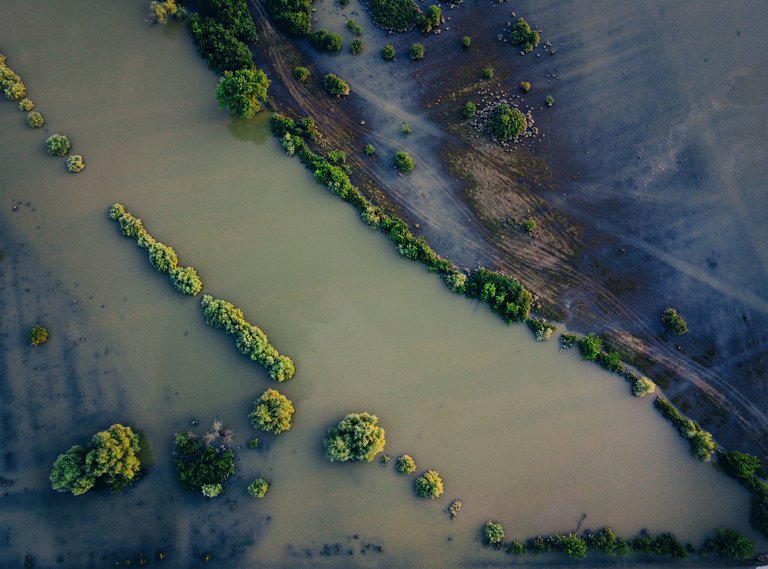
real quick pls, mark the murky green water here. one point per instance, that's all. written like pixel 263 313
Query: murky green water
pixel 519 432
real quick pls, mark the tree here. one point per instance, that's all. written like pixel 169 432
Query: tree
pixel 35 119
pixel 186 280
pixel 112 455
pixel 242 92
pixel 397 15
pixel 466 41
pixel 388 52
pixel 572 545
pixel 38 335
pixel 739 465
pixel 272 412
pixel 673 322
pixel 199 464
pixel 506 123
pixel 642 387
pixel 75 163
pixel 417 51
pixel 335 85
pixel 324 40
pixel 590 347
pixel 730 544
pixel 369 149
pixel 404 162
pixel 301 74
pixel 58 145
pixel 211 490
pixel 523 36
pixel 356 437
pixel 405 464
pixel 493 533
pixel 258 488
pixel 429 485
pixel 357 46
pixel 69 473
pixel 218 45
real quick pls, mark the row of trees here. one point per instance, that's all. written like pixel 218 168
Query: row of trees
pixel 163 258
pixel 701 442
pixel 249 339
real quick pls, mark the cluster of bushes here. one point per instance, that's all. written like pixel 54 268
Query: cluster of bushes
pixel 162 257
pixel 726 543
pixel 430 20
pixel 354 27
pixel 356 437
pixel 591 349
pixel 673 322
pixel 38 335
pixel 745 468
pixel 201 465
pixel 249 339
pixel 13 87
pixel 324 40
pixel 161 11
pixel 396 15
pixel 272 412
pixel 506 296
pixel 109 458
pixel 523 36
pixel 291 16
pixel 506 123
pixel 542 329
pixel 701 442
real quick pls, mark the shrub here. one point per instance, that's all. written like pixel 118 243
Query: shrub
pixel 58 145
pixel 673 322
pixel 525 86
pixel 323 40
pixel 26 105
pixel 272 412
pixel 258 488
pixel 731 544
pixel 430 20
pixel 233 15
pixel 506 296
pixel 242 92
pixel 590 347
pixel 567 341
pixel 417 51
pixel 211 490
pixel 529 226
pixel 493 533
pixel 506 123
pixel 354 27
pixel 429 485
pixel 357 46
pixel 466 41
pixel 739 465
pixel 35 119
pixel 254 443
pixel 388 52
pixel 603 540
pixel 516 548
pixel 249 339
pixel 488 72
pixel 369 149
pixel 186 280
pixel 523 36
pixel 541 329
pixel 406 128
pixel 335 85
pixel 38 335
pixel 356 437
pixel 160 12
pixel 456 281
pixel 572 545
pixel 75 163
pixel 404 162
pixel 199 464
pixel 550 100
pixel 110 456
pixel 664 544
pixel 470 110
pixel 218 45
pixel 11 84
pixel 702 446
pixel 397 15
pixel 405 464
pixel 301 74
pixel 454 508
pixel 292 16
pixel 642 387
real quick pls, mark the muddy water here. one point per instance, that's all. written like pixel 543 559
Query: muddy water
pixel 520 433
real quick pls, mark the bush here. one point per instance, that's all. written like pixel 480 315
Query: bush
pixel 357 46
pixel 516 548
pixel 611 361
pixel 529 226
pixel 218 45
pixel 673 322
pixel 550 100
pixel 11 84
pixel 493 533
pixel 731 544
pixel 506 296
pixel 301 74
pixel 739 465
pixel 26 105
pixel 702 445
pixel 58 145
pixel 506 123
pixel 405 464
pixel 249 339
pixel 430 20
pixel 664 544
pixel 199 464
pixel 75 163
pixel 369 149
pixel 590 347
pixel 38 335
pixel 603 540
pixel 110 456
pixel 324 40
pixel 417 52
pixel 254 443
pixel 541 329
pixel 525 86
pixel 272 412
pixel 397 15
pixel 523 36
pixel 404 162
pixel 567 341
pixel 456 281
pixel 292 16
pixel 233 15
pixel 701 442
pixel 572 545
pixel 356 437
pixel 642 387
pixel 242 92
pixel 354 27
pixel 466 41
pixel 406 128
pixel 35 119
pixel 335 85
pixel 429 485
pixel 470 110
pixel 388 52
pixel 211 490
pixel 488 72
pixel 160 12
pixel 258 488
pixel 454 508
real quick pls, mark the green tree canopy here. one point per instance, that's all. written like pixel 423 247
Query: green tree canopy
pixel 429 485
pixel 69 473
pixel 272 412
pixel 523 36
pixel 357 436
pixel 335 85
pixel 242 92
pixel 493 533
pixel 506 123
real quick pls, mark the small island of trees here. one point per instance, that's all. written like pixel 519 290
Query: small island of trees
pixel 204 463
pixel 357 437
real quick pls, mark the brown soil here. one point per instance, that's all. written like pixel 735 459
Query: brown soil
pixel 470 197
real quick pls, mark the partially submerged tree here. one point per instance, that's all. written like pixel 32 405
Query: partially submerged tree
pixel 242 92
pixel 356 437
pixel 272 412
pixel 429 485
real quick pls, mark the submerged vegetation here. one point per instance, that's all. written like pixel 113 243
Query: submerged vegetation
pixel 429 485
pixel 493 533
pixel 110 458
pixel 75 163
pixel 58 145
pixel 357 437
pixel 541 329
pixel 201 466
pixel 249 339
pixel 162 257
pixel 405 464
pixel 272 412
pixel 258 488
pixel 38 335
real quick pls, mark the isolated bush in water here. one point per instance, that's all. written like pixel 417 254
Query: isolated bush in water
pixel 26 105
pixel 160 12
pixel 272 412
pixel 405 464
pixel 429 485
pixel 335 85
pixel 493 533
pixel 258 488
pixel 58 145
pixel 249 339
pixel 523 36
pixel 356 437
pixel 199 465
pixel 75 163
pixel 541 329
pixel 506 123
pixel 38 335
pixel 242 92
pixel 35 119
pixel 211 490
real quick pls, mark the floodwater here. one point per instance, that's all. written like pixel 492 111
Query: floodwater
pixel 520 433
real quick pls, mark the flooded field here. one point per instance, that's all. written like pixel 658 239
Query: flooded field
pixel 520 432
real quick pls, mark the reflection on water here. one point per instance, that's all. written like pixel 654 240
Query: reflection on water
pixel 519 432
